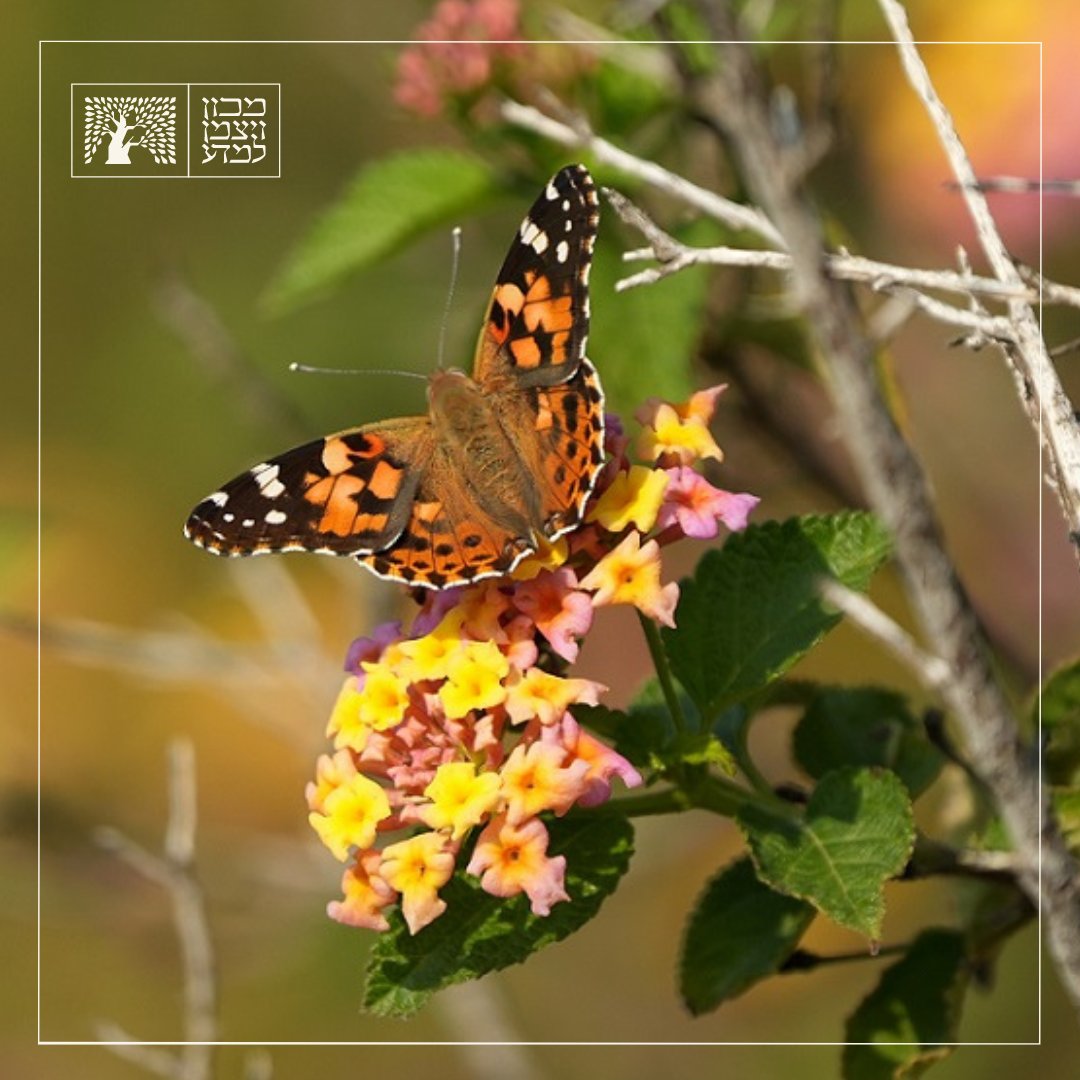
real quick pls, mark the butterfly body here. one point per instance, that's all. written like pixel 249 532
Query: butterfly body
pixel 504 460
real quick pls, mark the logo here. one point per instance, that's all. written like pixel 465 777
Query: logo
pixel 119 123
pixel 189 130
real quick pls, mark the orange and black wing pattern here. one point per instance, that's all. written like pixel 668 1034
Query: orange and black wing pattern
pixel 537 321
pixel 340 495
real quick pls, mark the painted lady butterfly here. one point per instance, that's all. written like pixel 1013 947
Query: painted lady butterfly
pixel 504 460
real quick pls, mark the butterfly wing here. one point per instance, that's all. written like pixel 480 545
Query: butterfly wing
pixel 537 321
pixel 449 539
pixel 531 352
pixel 347 493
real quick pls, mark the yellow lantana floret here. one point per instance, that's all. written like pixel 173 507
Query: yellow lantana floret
pixel 417 868
pixel 474 679
pixel 631 575
pixel 428 657
pixel 670 435
pixel 350 816
pixel 633 497
pixel 547 697
pixel 460 798
pixel 548 556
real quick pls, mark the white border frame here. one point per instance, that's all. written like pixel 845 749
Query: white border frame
pixel 888 42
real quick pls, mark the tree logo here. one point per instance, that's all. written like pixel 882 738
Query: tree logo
pixel 122 123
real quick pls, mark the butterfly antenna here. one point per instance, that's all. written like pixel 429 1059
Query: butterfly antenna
pixel 455 262
pixel 307 369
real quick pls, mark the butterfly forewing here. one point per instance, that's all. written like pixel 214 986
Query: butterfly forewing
pixel 538 318
pixel 347 493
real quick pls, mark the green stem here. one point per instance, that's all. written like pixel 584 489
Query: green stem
pixel 671 800
pixel 802 960
pixel 723 796
pixel 663 672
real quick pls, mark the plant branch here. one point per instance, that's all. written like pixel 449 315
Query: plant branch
pixel 931 671
pixel 673 256
pixel 737 100
pixel 1036 377
pixel 580 137
pixel 931 857
pixel 804 960
pixel 174 871
pixel 663 672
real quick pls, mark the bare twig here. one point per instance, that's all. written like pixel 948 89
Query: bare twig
pixel 191 317
pixel 842 266
pixel 732 214
pixel 932 857
pixel 174 871
pixel 930 670
pixel 1058 427
pixel 154 1059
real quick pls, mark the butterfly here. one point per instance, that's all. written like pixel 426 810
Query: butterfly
pixel 504 461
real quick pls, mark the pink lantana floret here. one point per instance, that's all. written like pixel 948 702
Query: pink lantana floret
pixel 558 609
pixel 511 859
pixel 698 508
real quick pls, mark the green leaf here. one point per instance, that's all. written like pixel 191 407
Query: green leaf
pixel 857 832
pixel 627 91
pixel 1066 803
pixel 1061 724
pixel 865 726
pixel 752 608
pixel 918 1001
pixel 387 204
pixel 646 337
pixel 740 932
pixel 479 933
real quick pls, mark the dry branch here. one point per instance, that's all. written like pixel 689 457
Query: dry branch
pixel 737 101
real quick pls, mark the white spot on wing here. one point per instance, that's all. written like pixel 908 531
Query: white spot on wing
pixel 275 517
pixel 540 242
pixel 562 252
pixel 552 192
pixel 266 476
pixel 248 522
pixel 228 517
pixel 219 498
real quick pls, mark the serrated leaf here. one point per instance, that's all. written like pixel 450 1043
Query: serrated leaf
pixel 387 204
pixel 752 608
pixel 865 726
pixel 857 832
pixel 918 1001
pixel 1061 724
pixel 479 933
pixel 740 932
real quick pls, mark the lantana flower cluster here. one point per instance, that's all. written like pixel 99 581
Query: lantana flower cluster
pixel 459 52
pixel 458 735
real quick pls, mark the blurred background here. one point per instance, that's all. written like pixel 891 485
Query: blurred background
pixel 163 374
